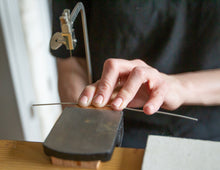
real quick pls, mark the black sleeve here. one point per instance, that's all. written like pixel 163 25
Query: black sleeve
pixel 57 8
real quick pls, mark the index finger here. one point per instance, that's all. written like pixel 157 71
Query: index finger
pixel 112 70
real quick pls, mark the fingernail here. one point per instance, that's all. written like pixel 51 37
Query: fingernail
pixel 98 99
pixel 117 102
pixel 150 108
pixel 83 100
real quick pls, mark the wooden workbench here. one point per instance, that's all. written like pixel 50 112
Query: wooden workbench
pixel 30 155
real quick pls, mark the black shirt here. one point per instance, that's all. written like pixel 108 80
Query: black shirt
pixel 172 36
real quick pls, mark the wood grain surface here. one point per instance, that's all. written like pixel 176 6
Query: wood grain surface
pixel 29 155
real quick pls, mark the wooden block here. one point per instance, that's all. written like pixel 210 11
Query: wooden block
pixel 75 164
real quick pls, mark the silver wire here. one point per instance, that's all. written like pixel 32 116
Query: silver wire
pixel 127 108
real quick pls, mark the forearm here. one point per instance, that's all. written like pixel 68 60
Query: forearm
pixel 200 88
pixel 72 78
pixel 146 87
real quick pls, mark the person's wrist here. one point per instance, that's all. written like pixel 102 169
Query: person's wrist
pixel 182 89
pixel 175 96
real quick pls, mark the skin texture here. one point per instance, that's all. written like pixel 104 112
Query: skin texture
pixel 72 78
pixel 133 83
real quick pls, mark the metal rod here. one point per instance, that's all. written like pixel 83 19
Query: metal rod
pixel 127 108
pixel 165 113
pixel 80 8
pixel 47 104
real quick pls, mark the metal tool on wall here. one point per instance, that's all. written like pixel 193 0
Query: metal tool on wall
pixel 67 36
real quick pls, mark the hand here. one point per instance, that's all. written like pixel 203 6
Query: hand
pixel 140 86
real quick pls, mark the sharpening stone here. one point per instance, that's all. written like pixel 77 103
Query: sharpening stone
pixel 82 134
